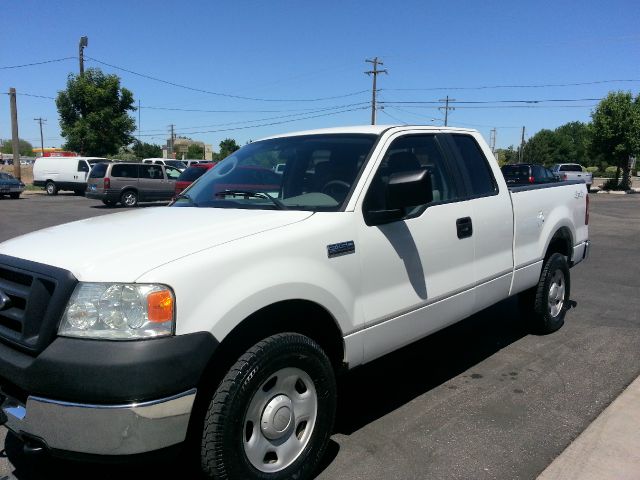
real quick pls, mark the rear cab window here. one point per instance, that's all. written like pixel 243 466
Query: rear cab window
pixel 571 168
pixel 473 161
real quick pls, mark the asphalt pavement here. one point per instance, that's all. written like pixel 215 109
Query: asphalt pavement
pixel 482 399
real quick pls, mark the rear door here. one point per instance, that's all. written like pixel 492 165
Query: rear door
pixel 492 220
pixel 151 182
pixel 82 172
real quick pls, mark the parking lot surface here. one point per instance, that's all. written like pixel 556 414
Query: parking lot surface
pixel 482 399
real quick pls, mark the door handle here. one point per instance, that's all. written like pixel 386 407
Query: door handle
pixel 464 227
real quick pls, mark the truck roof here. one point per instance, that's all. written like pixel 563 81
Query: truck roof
pixel 369 129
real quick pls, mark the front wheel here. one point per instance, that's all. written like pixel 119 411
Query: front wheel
pixel 272 415
pixel 548 302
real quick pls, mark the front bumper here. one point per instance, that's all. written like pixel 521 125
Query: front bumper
pixel 122 429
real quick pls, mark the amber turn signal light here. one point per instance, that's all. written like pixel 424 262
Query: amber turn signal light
pixel 160 306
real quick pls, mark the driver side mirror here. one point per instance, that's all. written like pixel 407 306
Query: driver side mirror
pixel 404 190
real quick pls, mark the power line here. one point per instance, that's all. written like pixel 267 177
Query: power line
pixel 270 124
pixel 487 87
pixel 38 63
pixel 227 95
pixel 470 102
pixel 306 112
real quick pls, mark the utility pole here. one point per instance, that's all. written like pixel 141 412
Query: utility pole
pixel 139 128
pixel 446 108
pixel 14 133
pixel 84 42
pixel 492 140
pixel 374 73
pixel 521 153
pixel 41 120
pixel 171 141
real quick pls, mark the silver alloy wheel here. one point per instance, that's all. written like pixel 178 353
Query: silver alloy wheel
pixel 280 420
pixel 51 188
pixel 556 293
pixel 129 199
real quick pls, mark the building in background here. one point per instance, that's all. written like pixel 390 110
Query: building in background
pixel 181 149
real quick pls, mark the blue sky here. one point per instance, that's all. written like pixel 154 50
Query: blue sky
pixel 292 50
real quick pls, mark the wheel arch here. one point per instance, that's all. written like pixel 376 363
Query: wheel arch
pixel 560 242
pixel 300 316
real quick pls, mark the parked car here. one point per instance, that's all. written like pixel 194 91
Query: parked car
pixel 527 173
pixel 221 322
pixel 63 173
pixel 180 165
pixel 572 171
pixel 10 185
pixel 191 174
pixel 130 183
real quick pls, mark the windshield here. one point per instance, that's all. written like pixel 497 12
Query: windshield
pixel 317 173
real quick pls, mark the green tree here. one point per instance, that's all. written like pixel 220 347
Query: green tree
pixel 24 147
pixel 146 150
pixel 227 147
pixel 615 132
pixel 507 155
pixel 94 116
pixel 541 148
pixel 195 151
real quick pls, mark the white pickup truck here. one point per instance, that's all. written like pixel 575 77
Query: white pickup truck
pixel 572 171
pixel 220 322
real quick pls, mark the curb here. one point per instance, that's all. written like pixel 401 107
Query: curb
pixel 609 447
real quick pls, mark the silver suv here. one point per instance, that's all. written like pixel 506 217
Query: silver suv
pixel 130 183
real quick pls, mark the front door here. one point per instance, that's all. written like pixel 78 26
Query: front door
pixel 418 273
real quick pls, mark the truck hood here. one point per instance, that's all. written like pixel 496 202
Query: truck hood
pixel 122 246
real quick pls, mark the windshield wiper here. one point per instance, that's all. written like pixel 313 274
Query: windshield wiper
pixel 254 194
pixel 186 196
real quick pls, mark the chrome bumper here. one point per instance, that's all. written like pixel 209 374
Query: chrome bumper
pixel 102 429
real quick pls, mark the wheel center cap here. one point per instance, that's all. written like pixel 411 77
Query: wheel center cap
pixel 277 417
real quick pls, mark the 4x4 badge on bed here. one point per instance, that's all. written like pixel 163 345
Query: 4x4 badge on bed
pixel 5 301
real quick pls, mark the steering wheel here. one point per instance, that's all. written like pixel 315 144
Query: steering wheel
pixel 337 189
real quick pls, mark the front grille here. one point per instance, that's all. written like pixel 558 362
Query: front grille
pixel 37 294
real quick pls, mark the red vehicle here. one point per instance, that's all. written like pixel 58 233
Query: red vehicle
pixel 191 174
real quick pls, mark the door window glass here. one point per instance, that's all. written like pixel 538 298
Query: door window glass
pixel 124 171
pixel 409 153
pixel 172 173
pixel 153 172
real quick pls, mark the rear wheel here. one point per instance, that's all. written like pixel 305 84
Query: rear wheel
pixel 546 304
pixel 272 415
pixel 51 188
pixel 14 195
pixel 129 199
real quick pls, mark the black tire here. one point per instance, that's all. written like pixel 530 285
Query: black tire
pixel 228 433
pixel 129 199
pixel 15 196
pixel 79 193
pixel 545 306
pixel 51 188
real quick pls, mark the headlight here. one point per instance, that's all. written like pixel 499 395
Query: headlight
pixel 119 311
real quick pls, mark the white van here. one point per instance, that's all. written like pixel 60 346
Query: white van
pixel 180 165
pixel 63 173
